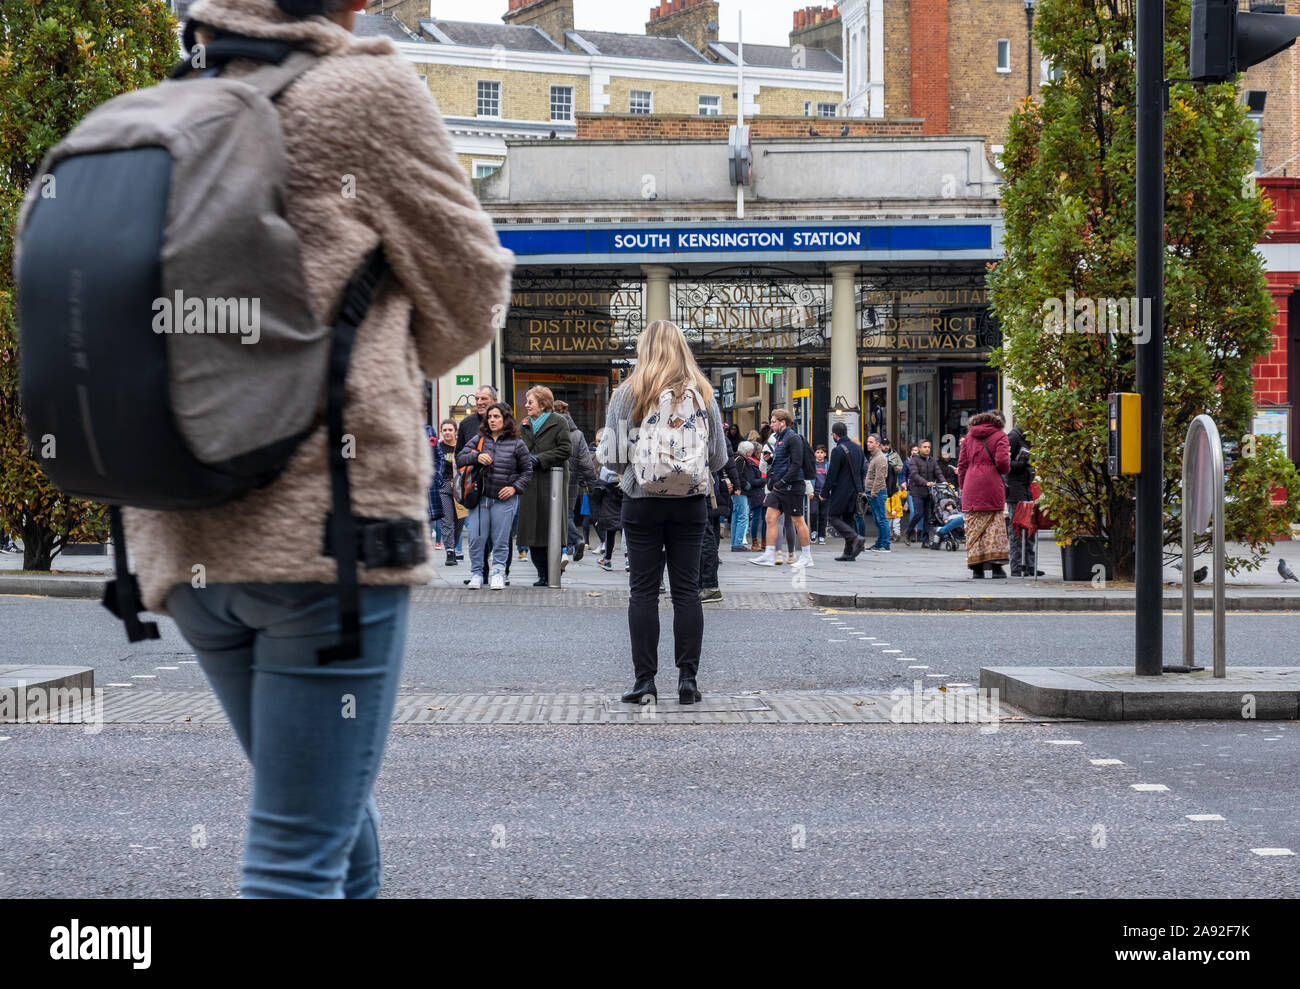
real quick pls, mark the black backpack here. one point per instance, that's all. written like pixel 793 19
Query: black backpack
pixel 809 460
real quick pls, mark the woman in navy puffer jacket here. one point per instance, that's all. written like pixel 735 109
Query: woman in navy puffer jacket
pixel 507 469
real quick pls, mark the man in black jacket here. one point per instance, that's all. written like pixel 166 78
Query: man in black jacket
pixel 469 426
pixel 1018 490
pixel 840 492
pixel 923 474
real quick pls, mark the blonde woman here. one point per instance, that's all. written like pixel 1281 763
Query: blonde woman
pixel 659 530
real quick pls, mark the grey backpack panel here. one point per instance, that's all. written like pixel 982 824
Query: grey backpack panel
pixel 247 357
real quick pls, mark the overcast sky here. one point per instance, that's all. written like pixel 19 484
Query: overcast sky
pixel 766 21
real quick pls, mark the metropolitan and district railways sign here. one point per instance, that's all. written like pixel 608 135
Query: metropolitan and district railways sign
pixel 574 317
pixel 930 320
pixel 601 318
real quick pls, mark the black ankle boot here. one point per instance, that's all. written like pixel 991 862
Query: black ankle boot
pixel 687 691
pixel 998 571
pixel 643 693
pixel 977 571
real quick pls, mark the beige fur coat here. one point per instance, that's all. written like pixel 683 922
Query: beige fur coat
pixel 362 117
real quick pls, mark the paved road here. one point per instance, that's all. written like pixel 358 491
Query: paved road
pixel 656 809
pixel 669 811
pixel 512 648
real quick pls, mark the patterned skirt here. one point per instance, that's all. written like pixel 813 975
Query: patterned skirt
pixel 986 538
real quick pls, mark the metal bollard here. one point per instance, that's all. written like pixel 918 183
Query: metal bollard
pixel 557 531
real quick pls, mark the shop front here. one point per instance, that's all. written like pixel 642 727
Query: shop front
pixel 894 317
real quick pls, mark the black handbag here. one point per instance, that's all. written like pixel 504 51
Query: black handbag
pixel 468 489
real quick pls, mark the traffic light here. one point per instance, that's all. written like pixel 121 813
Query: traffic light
pixel 1226 40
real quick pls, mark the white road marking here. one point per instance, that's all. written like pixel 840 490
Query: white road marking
pixel 1206 817
pixel 1061 741
pixel 882 643
pixel 918 667
pixel 166 667
pixel 188 662
pixel 1107 762
pixel 5 738
pixel 1274 738
pixel 1149 787
pixel 891 650
pixel 144 676
pixel 943 676
pixel 1272 851
pixel 119 685
pixel 837 640
pixel 961 685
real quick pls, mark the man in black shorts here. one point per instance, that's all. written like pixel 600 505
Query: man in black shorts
pixel 785 491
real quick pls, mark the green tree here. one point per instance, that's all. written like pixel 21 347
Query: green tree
pixel 1070 212
pixel 58 60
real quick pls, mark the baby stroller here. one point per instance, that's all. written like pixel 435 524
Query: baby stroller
pixel 945 502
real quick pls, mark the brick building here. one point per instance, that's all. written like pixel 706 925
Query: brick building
pixel 533 75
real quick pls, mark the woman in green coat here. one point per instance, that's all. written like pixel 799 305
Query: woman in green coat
pixel 546 434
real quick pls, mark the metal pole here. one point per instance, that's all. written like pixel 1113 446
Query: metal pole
pixel 1220 618
pixel 1189 599
pixel 1149 543
pixel 740 101
pixel 557 531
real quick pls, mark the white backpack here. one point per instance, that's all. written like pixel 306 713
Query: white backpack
pixel 671 457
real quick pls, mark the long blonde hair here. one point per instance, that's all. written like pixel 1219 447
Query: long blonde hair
pixel 663 361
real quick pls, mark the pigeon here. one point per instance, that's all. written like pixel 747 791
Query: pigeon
pixel 812 132
pixel 844 131
pixel 1286 572
pixel 1197 575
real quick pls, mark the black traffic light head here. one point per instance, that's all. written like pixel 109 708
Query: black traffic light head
pixel 1225 40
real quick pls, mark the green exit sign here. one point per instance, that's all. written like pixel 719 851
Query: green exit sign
pixel 464 379
pixel 769 372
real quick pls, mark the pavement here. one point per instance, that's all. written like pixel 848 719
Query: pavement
pixel 906 579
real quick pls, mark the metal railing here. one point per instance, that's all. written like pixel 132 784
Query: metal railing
pixel 1203 498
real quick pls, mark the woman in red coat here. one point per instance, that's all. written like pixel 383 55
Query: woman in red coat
pixel 985 458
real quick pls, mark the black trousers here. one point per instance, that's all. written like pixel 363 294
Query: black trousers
pixel 658 531
pixel 709 553
pixel 842 526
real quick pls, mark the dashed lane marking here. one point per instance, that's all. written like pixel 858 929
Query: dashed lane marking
pixel 1272 851
pixel 119 685
pixel 1061 741
pixel 166 667
pixel 1107 762
pixel 918 667
pixel 1149 787
pixel 1206 817
pixel 144 676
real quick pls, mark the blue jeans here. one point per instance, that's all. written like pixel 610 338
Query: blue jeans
pixel 951 524
pixel 314 734
pixel 739 520
pixel 882 523
pixel 491 520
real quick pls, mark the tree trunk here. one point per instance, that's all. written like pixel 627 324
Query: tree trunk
pixel 38 546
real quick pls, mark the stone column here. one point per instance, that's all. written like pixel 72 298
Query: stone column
pixel 845 379
pixel 657 305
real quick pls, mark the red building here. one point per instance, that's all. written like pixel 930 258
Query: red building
pixel 1277 374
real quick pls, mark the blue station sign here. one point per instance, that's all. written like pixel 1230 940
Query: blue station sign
pixel 636 241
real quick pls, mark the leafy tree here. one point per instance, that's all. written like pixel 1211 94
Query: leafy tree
pixel 1070 212
pixel 58 60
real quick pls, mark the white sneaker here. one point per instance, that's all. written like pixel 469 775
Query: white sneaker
pixel 498 582
pixel 805 560
pixel 475 582
pixel 768 559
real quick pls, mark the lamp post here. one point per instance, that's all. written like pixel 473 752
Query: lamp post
pixel 1029 47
